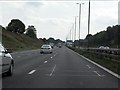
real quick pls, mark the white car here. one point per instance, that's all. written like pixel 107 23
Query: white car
pixel 107 47
pixel 46 49
pixel 103 47
pixel 6 61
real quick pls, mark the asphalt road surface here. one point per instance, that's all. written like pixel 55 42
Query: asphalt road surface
pixel 61 69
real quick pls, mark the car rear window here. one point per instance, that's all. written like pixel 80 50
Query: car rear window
pixel 46 46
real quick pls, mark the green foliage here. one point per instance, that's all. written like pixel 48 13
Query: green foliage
pixel 51 40
pixel 31 32
pixel 44 40
pixel 110 37
pixel 16 26
pixel 19 42
pixel 1 28
pixel 108 63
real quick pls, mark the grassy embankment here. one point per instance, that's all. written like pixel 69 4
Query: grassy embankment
pixel 19 42
pixel 108 63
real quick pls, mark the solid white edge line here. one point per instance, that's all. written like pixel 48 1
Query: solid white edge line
pixel 53 70
pixel 107 70
pixel 31 72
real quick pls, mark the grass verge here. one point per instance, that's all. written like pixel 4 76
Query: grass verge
pixel 19 42
pixel 108 63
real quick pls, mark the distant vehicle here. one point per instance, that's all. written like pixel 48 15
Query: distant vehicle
pixel 103 47
pixel 51 44
pixel 59 45
pixel 46 49
pixel 107 47
pixel 6 61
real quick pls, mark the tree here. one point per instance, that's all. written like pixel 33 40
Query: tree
pixel 2 28
pixel 31 32
pixel 88 36
pixel 16 26
pixel 44 40
pixel 110 37
pixel 51 40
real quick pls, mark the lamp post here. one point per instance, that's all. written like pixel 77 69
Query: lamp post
pixel 88 22
pixel 79 16
pixel 75 28
pixel 89 18
pixel 73 33
pixel 70 34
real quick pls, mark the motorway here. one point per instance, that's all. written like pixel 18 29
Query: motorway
pixel 61 69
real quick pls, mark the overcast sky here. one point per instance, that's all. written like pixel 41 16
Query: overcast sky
pixel 56 18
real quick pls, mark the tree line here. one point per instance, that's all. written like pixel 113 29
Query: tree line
pixel 17 26
pixel 51 40
pixel 109 37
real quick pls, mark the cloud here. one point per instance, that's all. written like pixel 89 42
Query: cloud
pixel 103 15
pixel 52 18
pixel 35 4
pixel 52 27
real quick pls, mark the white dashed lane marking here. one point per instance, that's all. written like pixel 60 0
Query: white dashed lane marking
pixel 52 70
pixel 45 61
pixel 97 73
pixel 88 66
pixel 31 72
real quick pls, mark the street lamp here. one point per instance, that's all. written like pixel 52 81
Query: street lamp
pixel 70 34
pixel 88 22
pixel 75 28
pixel 73 32
pixel 89 18
pixel 79 16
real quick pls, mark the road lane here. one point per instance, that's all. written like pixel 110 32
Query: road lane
pixel 25 63
pixel 65 69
